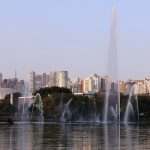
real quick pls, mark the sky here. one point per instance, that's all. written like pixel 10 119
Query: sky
pixel 73 35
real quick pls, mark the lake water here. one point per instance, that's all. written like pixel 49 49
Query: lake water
pixel 86 136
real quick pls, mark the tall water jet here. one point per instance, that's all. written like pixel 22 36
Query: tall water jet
pixel 24 100
pixel 23 104
pixel 112 100
pixel 132 113
pixel 63 119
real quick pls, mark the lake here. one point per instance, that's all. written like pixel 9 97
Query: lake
pixel 77 136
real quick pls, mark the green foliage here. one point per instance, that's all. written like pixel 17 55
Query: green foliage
pixel 6 107
pixel 44 92
pixel 16 95
pixel 53 105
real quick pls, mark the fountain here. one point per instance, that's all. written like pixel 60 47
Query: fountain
pixel 25 103
pixel 111 111
pixel 37 108
pixel 130 113
pixel 112 100
pixel 63 119
pixel 24 100
pixel 23 108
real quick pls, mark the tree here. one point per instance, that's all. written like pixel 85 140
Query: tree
pixel 47 91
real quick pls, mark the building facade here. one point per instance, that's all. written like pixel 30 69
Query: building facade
pixel 92 84
pixel 37 81
pixel 63 79
pixel 53 79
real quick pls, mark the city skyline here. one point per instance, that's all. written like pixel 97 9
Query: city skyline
pixel 73 36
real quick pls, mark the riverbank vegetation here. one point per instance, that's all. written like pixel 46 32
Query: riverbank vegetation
pixel 81 107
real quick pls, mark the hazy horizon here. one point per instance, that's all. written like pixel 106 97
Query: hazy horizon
pixel 45 36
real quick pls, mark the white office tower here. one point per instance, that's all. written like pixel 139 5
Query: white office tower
pixel 63 79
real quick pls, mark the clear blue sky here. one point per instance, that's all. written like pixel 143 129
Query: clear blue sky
pixel 73 35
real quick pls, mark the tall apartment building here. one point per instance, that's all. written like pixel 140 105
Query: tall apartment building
pixel 97 83
pixel 32 82
pixel 63 79
pixel 9 83
pixel 76 85
pixel 122 87
pixel 21 87
pixel 147 84
pixel 45 79
pixel 86 85
pixel 92 84
pixel 53 79
pixel 8 86
pixel 37 81
pixel 140 87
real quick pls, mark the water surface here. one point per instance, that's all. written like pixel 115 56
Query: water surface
pixel 85 136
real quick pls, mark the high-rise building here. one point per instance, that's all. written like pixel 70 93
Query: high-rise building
pixel 44 79
pixel 63 79
pixel 86 85
pixel 38 81
pixel 91 84
pixel 104 83
pixel 122 87
pixel 21 87
pixel 147 84
pixel 80 86
pixel 32 82
pixel 97 83
pixel 53 79
pixel 140 87
pixel 76 85
pixel 8 86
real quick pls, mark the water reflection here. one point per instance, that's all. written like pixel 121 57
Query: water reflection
pixel 21 137
pixel 74 136
pixel 111 136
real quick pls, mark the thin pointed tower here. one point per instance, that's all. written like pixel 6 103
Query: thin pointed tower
pixel 112 101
